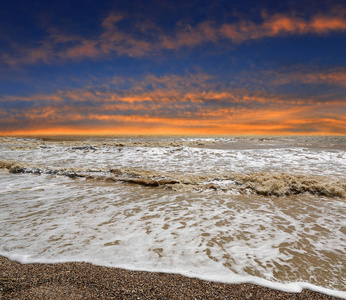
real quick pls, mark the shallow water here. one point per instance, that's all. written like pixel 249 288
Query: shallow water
pixel 263 210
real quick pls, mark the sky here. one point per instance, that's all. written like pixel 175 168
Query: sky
pixel 173 67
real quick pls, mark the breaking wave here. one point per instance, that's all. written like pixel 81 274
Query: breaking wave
pixel 261 183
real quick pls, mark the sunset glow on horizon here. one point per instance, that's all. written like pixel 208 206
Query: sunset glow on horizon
pixel 173 68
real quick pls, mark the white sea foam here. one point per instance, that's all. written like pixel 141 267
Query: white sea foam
pixel 186 159
pixel 287 243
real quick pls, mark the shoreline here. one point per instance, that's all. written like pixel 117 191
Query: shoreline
pixel 80 280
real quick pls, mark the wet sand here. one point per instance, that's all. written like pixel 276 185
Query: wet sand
pixel 87 281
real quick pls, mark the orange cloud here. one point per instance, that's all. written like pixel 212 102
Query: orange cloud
pixel 332 76
pixel 336 77
pixel 152 126
pixel 191 104
pixel 280 24
pixel 263 120
pixel 148 40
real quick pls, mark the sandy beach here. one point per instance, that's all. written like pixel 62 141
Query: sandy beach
pixel 86 281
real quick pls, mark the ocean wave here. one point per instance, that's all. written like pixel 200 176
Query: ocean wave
pixel 95 144
pixel 261 183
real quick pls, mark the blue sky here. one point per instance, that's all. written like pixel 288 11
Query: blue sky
pixel 173 67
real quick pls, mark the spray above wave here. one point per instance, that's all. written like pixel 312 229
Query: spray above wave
pixel 261 183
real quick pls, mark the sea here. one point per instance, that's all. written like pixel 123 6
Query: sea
pixel 264 210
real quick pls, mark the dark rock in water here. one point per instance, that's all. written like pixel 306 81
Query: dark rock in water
pixel 84 148
pixel 16 169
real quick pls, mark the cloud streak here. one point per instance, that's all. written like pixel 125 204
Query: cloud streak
pixel 140 41
pixel 191 104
